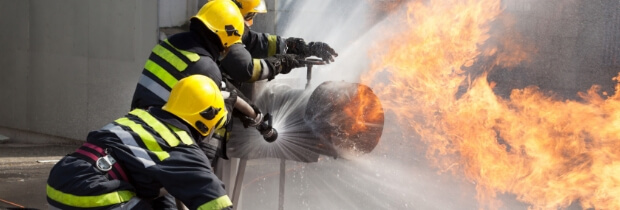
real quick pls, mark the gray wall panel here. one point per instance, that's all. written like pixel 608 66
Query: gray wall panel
pixel 14 62
pixel 52 28
pixel 14 23
pixel 111 28
pixel 69 66
pixel 13 91
pixel 109 93
pixel 57 100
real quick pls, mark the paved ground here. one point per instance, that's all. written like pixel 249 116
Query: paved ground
pixel 23 173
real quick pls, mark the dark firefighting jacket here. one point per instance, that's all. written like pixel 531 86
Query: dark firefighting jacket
pixel 246 64
pixel 152 150
pixel 177 57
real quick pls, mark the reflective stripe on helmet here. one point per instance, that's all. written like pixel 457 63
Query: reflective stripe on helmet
pixel 147 138
pixel 128 140
pixel 154 87
pixel 89 201
pixel 218 203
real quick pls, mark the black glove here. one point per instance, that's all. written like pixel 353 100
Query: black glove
pixel 298 47
pixel 282 64
pixel 323 51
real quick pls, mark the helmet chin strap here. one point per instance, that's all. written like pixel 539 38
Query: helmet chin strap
pixel 210 135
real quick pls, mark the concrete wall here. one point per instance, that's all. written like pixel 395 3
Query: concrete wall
pixel 69 66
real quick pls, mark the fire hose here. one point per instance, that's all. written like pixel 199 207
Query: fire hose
pixel 265 127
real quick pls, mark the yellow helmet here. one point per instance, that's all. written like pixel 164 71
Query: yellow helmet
pixel 198 101
pixel 249 8
pixel 223 18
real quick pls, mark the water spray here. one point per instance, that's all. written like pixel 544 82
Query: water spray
pixel 337 119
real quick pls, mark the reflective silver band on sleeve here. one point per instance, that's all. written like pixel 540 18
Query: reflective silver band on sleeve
pixel 128 140
pixel 265 70
pixel 154 87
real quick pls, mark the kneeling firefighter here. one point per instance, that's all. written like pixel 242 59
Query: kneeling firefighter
pixel 126 163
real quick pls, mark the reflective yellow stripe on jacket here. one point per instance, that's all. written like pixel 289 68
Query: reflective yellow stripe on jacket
pixel 170 57
pixel 257 70
pixel 146 137
pixel 107 199
pixel 272 41
pixel 163 130
pixel 192 56
pixel 163 74
pixel 182 134
pixel 218 203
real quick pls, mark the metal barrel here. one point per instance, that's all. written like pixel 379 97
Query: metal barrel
pixel 348 115
pixel 336 119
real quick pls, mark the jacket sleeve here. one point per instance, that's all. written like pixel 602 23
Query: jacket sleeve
pixel 262 45
pixel 239 66
pixel 205 66
pixel 186 175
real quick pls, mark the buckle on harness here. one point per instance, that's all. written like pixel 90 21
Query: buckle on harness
pixel 105 163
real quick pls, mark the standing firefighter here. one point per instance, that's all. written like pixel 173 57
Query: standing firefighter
pixel 126 163
pixel 266 55
pixel 213 30
pixel 261 56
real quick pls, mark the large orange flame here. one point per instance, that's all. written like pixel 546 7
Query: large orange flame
pixel 548 153
pixel 363 109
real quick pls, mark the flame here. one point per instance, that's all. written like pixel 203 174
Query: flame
pixel 363 110
pixel 547 152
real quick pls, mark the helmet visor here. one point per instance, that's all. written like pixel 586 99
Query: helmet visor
pixel 249 16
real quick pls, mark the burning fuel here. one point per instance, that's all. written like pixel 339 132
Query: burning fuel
pixel 547 152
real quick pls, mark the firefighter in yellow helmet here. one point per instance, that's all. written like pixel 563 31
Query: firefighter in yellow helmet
pixel 249 9
pixel 269 55
pixel 125 164
pixel 216 27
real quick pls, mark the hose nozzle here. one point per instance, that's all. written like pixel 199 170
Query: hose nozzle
pixel 271 135
pixel 266 129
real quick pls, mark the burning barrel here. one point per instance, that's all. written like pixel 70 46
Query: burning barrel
pixel 348 115
pixel 337 119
